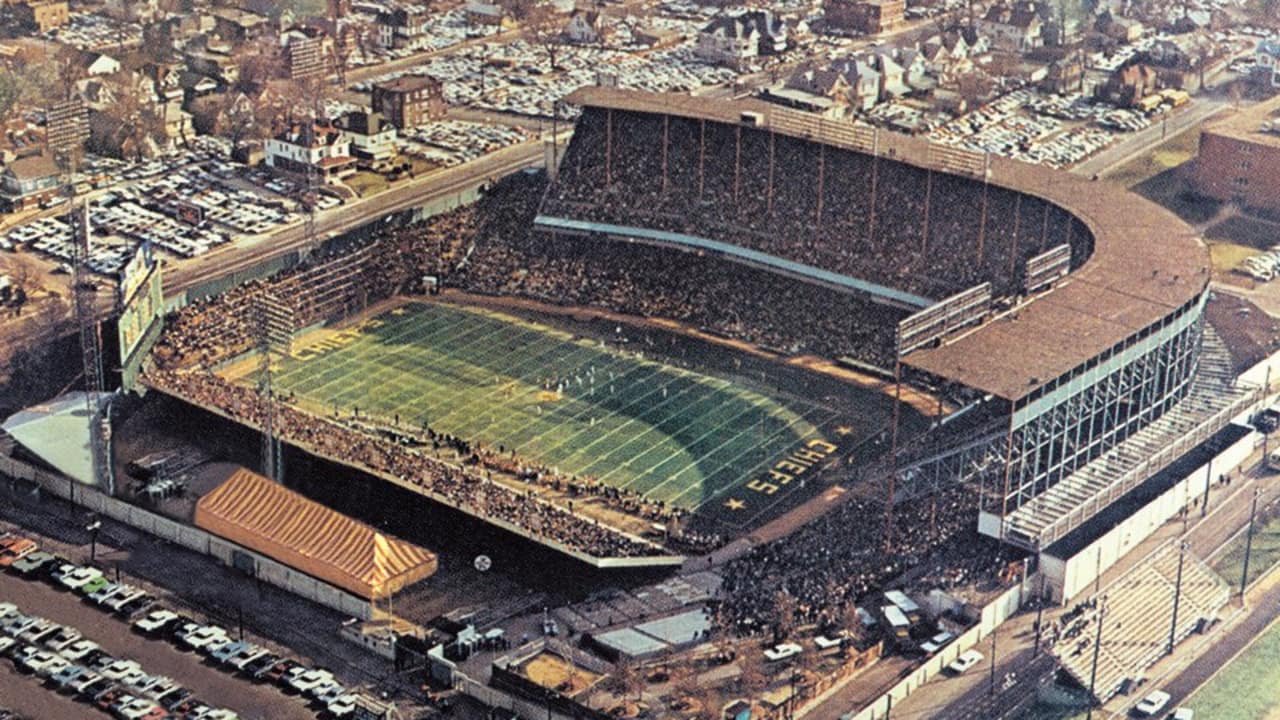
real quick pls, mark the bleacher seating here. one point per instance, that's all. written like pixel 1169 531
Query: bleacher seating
pixel 1138 614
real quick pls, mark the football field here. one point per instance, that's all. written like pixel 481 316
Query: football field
pixel 725 450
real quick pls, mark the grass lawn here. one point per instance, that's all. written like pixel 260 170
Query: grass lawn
pixel 1227 256
pixel 367 183
pixel 692 440
pixel 1265 553
pixel 1169 154
pixel 1246 689
pixel 1160 176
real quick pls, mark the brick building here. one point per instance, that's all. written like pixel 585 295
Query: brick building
pixel 865 16
pixel 1240 158
pixel 410 100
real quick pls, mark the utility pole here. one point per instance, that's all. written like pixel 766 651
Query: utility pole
pixel 1248 542
pixel 992 689
pixel 1097 647
pixel 1177 596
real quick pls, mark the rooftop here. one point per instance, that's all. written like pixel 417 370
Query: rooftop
pixel 1247 125
pixel 1146 261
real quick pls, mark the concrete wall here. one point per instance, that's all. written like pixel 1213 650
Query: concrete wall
pixel 993 614
pixel 1068 577
pixel 190 537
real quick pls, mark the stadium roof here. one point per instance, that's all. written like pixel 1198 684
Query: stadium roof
pixel 268 518
pixel 57 432
pixel 1146 261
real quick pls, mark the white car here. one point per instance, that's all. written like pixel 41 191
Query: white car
pixel 327 693
pixel 63 639
pixel 342 706
pixel 79 577
pixel 310 679
pixel 154 621
pixel 1183 713
pixel 1152 704
pixel 967 659
pixel 78 650
pixel 203 636
pixel 782 651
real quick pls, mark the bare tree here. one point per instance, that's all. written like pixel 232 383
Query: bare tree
pixel 627 678
pixel 542 25
pixel 751 672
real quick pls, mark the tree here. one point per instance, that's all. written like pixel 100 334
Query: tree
pixel 542 25
pixel 10 92
pixel 237 120
pixel 627 678
pixel 751 673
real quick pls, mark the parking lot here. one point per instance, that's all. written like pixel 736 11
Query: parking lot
pixel 68 630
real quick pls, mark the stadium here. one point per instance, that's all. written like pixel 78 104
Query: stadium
pixel 710 315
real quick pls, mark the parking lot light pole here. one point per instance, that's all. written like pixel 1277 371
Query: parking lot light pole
pixel 1097 646
pixel 1248 541
pixel 1177 595
pixel 93 529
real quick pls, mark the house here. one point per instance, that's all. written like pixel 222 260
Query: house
pixel 1266 62
pixel 99 64
pixel 1065 75
pixel 41 15
pixel 403 27
pixel 373 140
pixel 735 40
pixel 948 53
pixel 410 100
pixel 239 26
pixel 220 66
pixel 1180 61
pixel 1127 86
pixel 821 91
pixel 1122 29
pixel 27 182
pixel 869 17
pixel 313 150
pixel 483 14
pixel 1014 28
pixel 584 28
pixel 864 82
pixel 132 11
pixel 912 62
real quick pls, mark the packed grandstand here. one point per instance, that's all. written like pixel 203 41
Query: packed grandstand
pixel 653 201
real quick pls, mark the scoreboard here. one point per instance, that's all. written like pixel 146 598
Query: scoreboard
pixel 141 303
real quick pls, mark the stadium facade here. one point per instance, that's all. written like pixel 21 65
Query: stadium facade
pixel 1079 358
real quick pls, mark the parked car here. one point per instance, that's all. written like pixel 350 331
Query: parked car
pixel 967 660
pixel 1152 704
pixel 782 651
pixel 155 622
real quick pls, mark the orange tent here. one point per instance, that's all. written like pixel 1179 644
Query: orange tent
pixel 266 517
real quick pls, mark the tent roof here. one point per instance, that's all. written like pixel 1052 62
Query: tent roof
pixel 269 518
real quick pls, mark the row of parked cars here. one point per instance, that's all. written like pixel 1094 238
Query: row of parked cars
pixel 69 663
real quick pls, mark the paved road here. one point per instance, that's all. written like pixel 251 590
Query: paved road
pixel 156 656
pixel 1141 141
pixel 433 186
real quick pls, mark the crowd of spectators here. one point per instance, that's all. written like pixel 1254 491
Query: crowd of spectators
pixel 456 485
pixel 831 564
pixel 879 220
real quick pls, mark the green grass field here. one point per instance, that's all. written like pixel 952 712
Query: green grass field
pixel 1247 687
pixel 1264 553
pixel 705 443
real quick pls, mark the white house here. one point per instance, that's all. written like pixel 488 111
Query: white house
pixel 735 40
pixel 1012 27
pixel 372 139
pixel 584 27
pixel 1267 61
pixel 305 149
